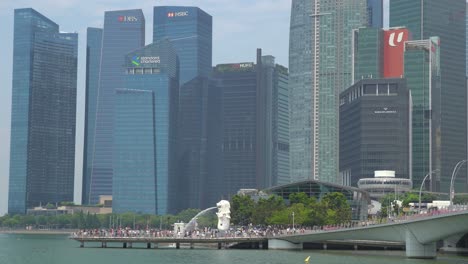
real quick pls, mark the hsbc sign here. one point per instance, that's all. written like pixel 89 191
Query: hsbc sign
pixel 178 14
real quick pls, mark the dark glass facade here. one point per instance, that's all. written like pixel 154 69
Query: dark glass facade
pixel 424 19
pixel 93 65
pixel 375 13
pixel 190 31
pixel 42 151
pixel 368 53
pixel 123 32
pixel 198 145
pixel 375 129
pixel 255 142
pixel 153 68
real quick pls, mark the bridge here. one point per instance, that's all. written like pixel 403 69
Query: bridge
pixel 419 235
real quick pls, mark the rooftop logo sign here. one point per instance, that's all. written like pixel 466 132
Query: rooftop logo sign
pixel 128 19
pixel 178 14
pixel 137 61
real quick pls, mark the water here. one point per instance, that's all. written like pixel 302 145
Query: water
pixel 57 249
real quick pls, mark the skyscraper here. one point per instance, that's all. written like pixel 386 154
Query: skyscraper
pixel 145 130
pixel 123 32
pixel 320 67
pixel 42 152
pixel 375 13
pixel 93 65
pixel 375 129
pixel 190 31
pixel 424 20
pixel 254 146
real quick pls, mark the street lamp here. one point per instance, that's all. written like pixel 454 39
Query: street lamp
pixel 422 184
pixel 454 174
pixel 293 220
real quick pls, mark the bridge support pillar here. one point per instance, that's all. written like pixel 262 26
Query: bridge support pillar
pixel 415 249
pixel 191 245
pixel 104 244
pixel 130 245
pixel 124 245
pixel 283 244
pixel 148 245
pixel 82 244
pixel 177 245
pixel 219 246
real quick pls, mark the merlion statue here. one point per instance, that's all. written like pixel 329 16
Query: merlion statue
pixel 224 215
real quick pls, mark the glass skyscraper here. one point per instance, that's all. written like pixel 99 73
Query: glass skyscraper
pixel 424 20
pixel 320 67
pixel 123 32
pixel 254 146
pixel 145 130
pixel 93 65
pixel 42 151
pixel 190 31
pixel 375 13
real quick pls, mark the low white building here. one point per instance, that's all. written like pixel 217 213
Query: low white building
pixel 384 182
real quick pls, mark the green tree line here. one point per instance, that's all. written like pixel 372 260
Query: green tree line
pixel 332 209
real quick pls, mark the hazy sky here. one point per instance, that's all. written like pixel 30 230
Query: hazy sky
pixel 239 27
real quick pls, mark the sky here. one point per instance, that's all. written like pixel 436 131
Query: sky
pixel 239 28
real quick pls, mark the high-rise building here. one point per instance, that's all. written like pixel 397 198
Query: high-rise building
pixel 387 53
pixel 424 20
pixel 124 31
pixel 320 67
pixel 254 142
pixel 198 145
pixel 375 13
pixel 375 128
pixel 145 130
pixel 42 151
pixel 423 76
pixel 190 31
pixel 93 65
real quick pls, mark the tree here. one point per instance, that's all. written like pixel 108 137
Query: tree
pixel 242 207
pixel 338 209
pixel 460 199
pixel 300 197
pixel 264 208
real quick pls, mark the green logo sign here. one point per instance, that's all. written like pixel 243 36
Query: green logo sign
pixel 136 60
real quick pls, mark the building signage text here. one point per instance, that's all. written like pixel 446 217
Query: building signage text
pixel 128 19
pixel 178 14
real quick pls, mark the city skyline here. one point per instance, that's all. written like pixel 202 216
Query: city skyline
pixel 229 34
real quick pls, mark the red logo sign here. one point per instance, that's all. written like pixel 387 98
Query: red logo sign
pixel 170 14
pixel 394 46
pixel 121 18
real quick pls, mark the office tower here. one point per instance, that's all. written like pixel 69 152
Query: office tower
pixel 93 65
pixel 375 129
pixel 279 123
pixel 42 151
pixel 423 76
pixel 250 133
pixel 198 145
pixel 190 31
pixel 123 32
pixel 424 20
pixel 320 67
pixel 375 13
pixel 388 54
pixel 145 130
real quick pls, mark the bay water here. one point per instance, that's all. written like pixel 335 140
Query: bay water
pixel 58 249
